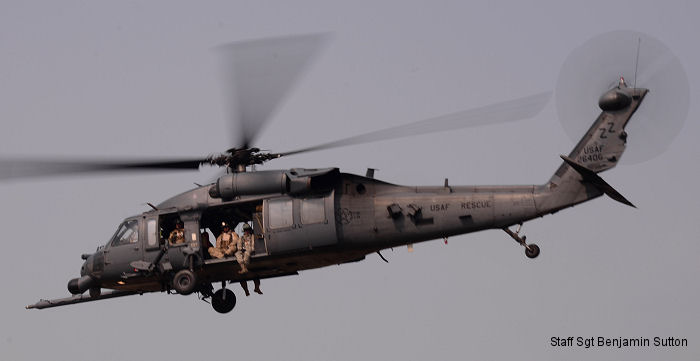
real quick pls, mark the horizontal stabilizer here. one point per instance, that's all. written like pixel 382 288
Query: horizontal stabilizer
pixel 591 177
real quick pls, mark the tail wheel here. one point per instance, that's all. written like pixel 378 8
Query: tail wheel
pixel 223 301
pixel 532 250
pixel 184 282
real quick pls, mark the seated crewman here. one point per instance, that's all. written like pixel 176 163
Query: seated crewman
pixel 177 236
pixel 225 242
pixel 245 247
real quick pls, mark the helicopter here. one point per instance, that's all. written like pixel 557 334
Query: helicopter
pixel 305 219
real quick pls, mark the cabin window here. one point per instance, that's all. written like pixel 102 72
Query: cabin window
pixel 280 211
pixel 313 210
pixel 126 234
pixel 152 233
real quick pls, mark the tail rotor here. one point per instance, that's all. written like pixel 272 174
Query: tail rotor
pixel 595 67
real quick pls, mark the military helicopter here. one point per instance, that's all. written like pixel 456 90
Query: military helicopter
pixel 310 218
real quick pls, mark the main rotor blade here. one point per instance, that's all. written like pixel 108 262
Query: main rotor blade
pixel 25 168
pixel 258 76
pixel 521 108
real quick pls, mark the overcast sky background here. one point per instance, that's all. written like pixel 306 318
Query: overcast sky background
pixel 112 79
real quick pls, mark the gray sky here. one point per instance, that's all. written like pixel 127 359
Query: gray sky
pixel 90 78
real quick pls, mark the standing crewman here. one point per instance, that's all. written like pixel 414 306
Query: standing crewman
pixel 226 242
pixel 177 236
pixel 246 246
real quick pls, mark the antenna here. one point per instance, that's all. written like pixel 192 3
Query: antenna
pixel 636 62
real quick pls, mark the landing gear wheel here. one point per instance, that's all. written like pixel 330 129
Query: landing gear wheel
pixel 223 301
pixel 532 250
pixel 95 292
pixel 184 282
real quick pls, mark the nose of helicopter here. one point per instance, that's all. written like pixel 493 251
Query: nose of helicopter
pixel 87 266
pixel 77 286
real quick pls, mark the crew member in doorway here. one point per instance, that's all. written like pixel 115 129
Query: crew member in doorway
pixel 177 236
pixel 245 247
pixel 226 242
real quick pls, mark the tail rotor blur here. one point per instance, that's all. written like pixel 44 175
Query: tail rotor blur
pixel 592 68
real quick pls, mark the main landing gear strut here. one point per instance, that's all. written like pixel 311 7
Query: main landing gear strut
pixel 223 300
pixel 531 250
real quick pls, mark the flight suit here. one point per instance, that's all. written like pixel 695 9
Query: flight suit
pixel 226 245
pixel 245 247
pixel 177 236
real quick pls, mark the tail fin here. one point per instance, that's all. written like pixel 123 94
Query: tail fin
pixel 600 149
pixel 591 177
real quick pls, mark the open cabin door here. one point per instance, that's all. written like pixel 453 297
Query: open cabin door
pixel 158 230
pixel 297 224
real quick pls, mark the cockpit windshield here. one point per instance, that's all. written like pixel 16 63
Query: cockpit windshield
pixel 127 233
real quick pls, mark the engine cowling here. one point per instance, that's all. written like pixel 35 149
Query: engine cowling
pixel 293 181
pixel 248 183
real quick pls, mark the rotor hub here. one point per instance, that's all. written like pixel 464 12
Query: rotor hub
pixel 235 158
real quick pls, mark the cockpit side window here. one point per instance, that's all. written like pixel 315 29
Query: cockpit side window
pixel 127 233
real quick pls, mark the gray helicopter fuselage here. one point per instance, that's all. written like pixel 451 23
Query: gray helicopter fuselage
pixel 348 217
